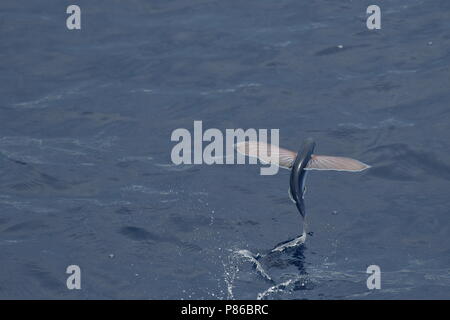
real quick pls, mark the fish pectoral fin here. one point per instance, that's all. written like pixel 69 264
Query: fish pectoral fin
pixel 335 163
pixel 267 153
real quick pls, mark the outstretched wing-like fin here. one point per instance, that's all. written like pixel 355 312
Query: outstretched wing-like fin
pixel 264 152
pixel 335 163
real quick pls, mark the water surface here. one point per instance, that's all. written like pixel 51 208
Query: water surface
pixel 86 176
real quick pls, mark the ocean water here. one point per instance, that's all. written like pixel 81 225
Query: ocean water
pixel 86 176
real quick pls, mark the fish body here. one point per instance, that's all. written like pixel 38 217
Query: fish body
pixel 298 174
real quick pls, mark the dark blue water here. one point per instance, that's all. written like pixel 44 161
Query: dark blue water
pixel 86 176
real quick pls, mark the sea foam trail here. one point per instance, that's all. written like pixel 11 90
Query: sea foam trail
pixel 251 257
